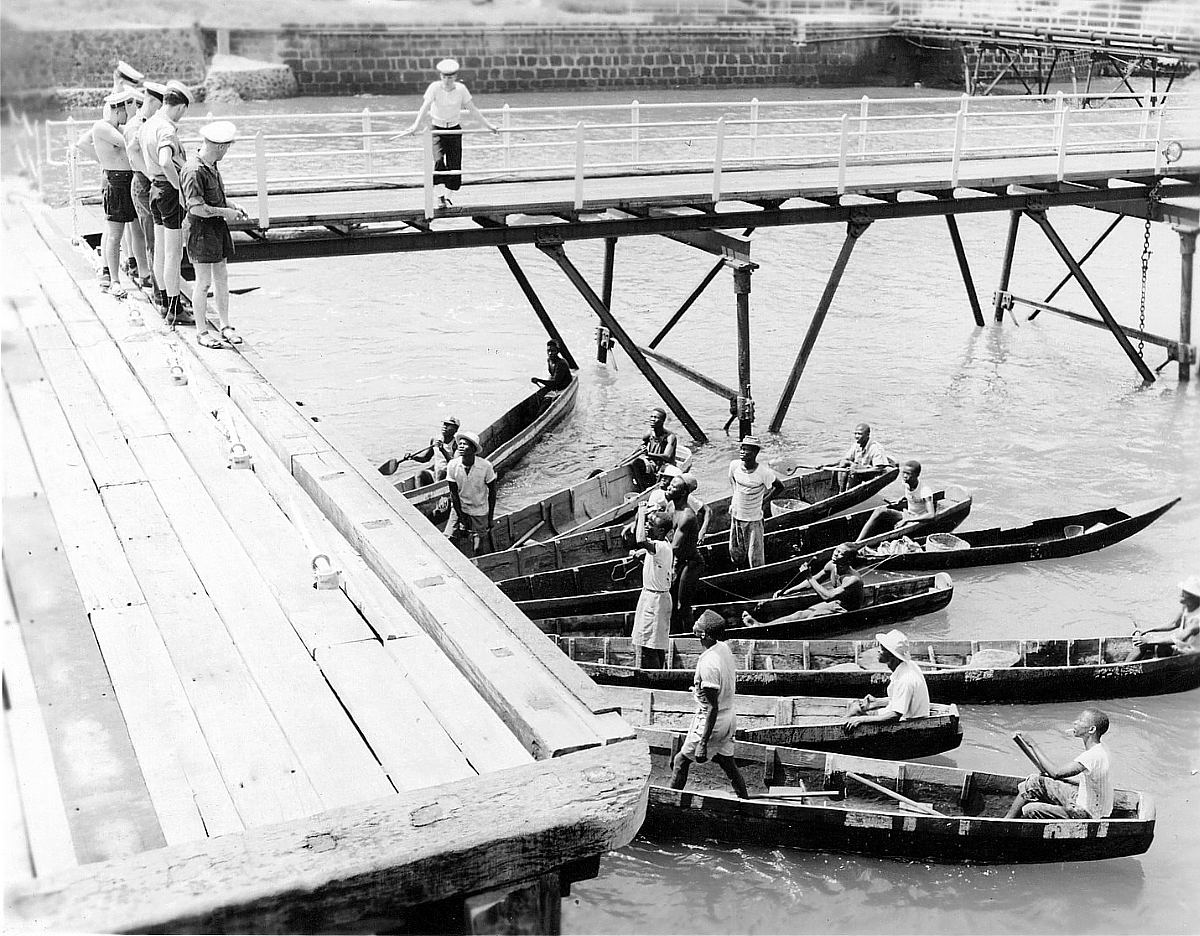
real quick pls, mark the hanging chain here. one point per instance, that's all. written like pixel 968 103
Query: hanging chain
pixel 1152 199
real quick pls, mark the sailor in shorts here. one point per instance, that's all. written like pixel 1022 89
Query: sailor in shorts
pixel 109 147
pixel 164 158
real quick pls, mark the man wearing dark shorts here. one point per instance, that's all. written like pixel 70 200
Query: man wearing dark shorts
pixel 689 562
pixel 164 158
pixel 109 147
pixel 140 186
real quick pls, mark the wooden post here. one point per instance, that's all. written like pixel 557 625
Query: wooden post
pixel 1187 253
pixel 532 907
pixel 1000 301
pixel 854 230
pixel 753 129
pixel 506 134
pixel 1081 278
pixel 579 156
pixel 843 143
pixel 687 303
pixel 741 288
pixel 554 249
pixel 260 171
pixel 535 301
pixel 964 268
pixel 718 157
pixel 610 256
pixel 635 137
pixel 427 171
pixel 368 144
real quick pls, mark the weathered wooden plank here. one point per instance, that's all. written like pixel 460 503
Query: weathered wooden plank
pixel 17 856
pixel 401 851
pixel 334 756
pixel 406 737
pixel 189 796
pixel 134 411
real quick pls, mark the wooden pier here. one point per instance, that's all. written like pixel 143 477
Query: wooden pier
pixel 199 737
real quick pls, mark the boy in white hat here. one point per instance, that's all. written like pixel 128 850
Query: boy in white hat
pixel 752 484
pixel 907 693
pixel 444 102
pixel 164 157
pixel 209 244
pixel 1182 635
pixel 152 99
pixel 472 482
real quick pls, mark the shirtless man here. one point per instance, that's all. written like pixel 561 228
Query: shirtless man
pixel 917 504
pixel 689 526
pixel 838 586
pixel 1182 635
pixel 109 146
pixel 559 369
pixel 658 449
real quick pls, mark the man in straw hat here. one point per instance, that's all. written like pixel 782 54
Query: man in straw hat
pixel 208 243
pixel 1181 635
pixel 472 482
pixel 444 102
pixel 165 157
pixel 907 693
pixel 152 98
pixel 752 484
pixel 712 729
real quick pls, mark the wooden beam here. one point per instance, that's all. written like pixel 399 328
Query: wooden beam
pixel 692 297
pixel 359 864
pixel 718 243
pixel 1187 254
pixel 724 392
pixel 965 269
pixel 1010 247
pixel 741 288
pixel 606 286
pixel 1082 260
pixel 1148 337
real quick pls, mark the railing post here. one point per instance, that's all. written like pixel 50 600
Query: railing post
pixel 72 181
pixel 579 137
pixel 1144 132
pixel 367 146
pixel 260 171
pixel 1062 142
pixel 506 137
pixel 427 170
pixel 753 128
pixel 863 107
pixel 37 143
pixel 1058 112
pixel 960 126
pixel 842 144
pixel 1159 157
pixel 718 155
pixel 635 118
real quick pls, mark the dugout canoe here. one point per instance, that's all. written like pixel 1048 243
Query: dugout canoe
pixel 967 825
pixel 885 603
pixel 975 671
pixel 503 443
pixel 811 722
pixel 816 490
pixel 614 586
pixel 1050 538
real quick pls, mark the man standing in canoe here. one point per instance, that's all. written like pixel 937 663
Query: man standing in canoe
pixel 652 619
pixel 1182 635
pixel 472 482
pixel 444 102
pixel 711 733
pixel 917 504
pixel 658 449
pixel 907 693
pixel 688 525
pixel 841 590
pixel 752 485
pixel 865 459
pixel 1045 795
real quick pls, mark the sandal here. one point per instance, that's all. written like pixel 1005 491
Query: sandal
pixel 229 333
pixel 207 339
pixel 117 291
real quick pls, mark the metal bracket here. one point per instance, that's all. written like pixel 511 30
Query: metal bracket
pixel 548 239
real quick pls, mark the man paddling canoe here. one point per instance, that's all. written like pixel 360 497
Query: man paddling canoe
pixel 841 590
pixel 1182 635
pixel 865 459
pixel 440 450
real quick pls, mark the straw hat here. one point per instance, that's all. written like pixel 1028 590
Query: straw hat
pixel 452 421
pixel 1191 585
pixel 751 441
pixel 895 642
pixel 470 437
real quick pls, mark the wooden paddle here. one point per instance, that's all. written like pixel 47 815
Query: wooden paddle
pixel 923 807
pixel 389 467
pixel 1031 752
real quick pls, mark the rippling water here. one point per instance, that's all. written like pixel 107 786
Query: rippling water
pixel 1036 419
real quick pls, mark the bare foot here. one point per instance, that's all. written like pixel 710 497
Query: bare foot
pixel 747 620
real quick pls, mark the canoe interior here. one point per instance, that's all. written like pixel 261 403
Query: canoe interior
pixel 816 489
pixel 893 600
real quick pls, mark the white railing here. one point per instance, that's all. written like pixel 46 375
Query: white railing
pixel 1172 19
pixel 580 144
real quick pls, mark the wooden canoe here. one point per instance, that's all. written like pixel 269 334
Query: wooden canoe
pixel 966 824
pixel 1058 670
pixel 613 586
pixel 503 443
pixel 1042 539
pixel 885 603
pixel 816 489
pixel 811 722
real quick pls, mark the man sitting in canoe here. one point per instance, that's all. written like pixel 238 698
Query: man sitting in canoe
pixel 917 504
pixel 1045 795
pixel 658 449
pixel 1182 635
pixel 560 370
pixel 907 692
pixel 842 590
pixel 472 481
pixel 439 450
pixel 865 459
pixel 713 724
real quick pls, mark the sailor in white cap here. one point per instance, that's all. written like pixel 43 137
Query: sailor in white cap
pixel 1181 635
pixel 126 76
pixel 209 244
pixel 752 483
pixel 165 157
pixel 444 102
pixel 472 482
pixel 143 231
pixel 907 693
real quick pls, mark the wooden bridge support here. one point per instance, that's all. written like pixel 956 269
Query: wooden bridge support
pixel 1187 254
pixel 1082 260
pixel 1000 299
pixel 695 294
pixel 535 301
pixel 610 258
pixel 964 268
pixel 854 230
pixel 1081 278
pixel 741 288
pixel 554 250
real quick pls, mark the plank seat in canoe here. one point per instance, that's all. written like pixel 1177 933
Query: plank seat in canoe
pixel 817 490
pixel 963 822
pixel 614 585
pixel 977 671
pixel 884 603
pixel 811 722
pixel 1049 538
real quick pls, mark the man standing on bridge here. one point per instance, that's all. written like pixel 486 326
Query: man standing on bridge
pixel 444 102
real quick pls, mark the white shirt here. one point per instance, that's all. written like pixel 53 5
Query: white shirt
pixel 920 501
pixel 1095 789
pixel 472 484
pixel 716 669
pixel 908 695
pixel 749 487
pixel 445 107
pixel 656 567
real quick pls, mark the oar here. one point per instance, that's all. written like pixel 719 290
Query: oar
pixel 1030 751
pixel 389 467
pixel 923 807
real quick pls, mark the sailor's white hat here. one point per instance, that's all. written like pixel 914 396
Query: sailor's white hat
pixel 154 89
pixel 447 66
pixel 129 73
pixel 119 97
pixel 219 131
pixel 180 88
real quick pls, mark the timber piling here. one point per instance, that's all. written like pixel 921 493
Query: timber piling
pixel 201 739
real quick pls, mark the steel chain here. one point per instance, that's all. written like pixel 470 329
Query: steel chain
pixel 1152 199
